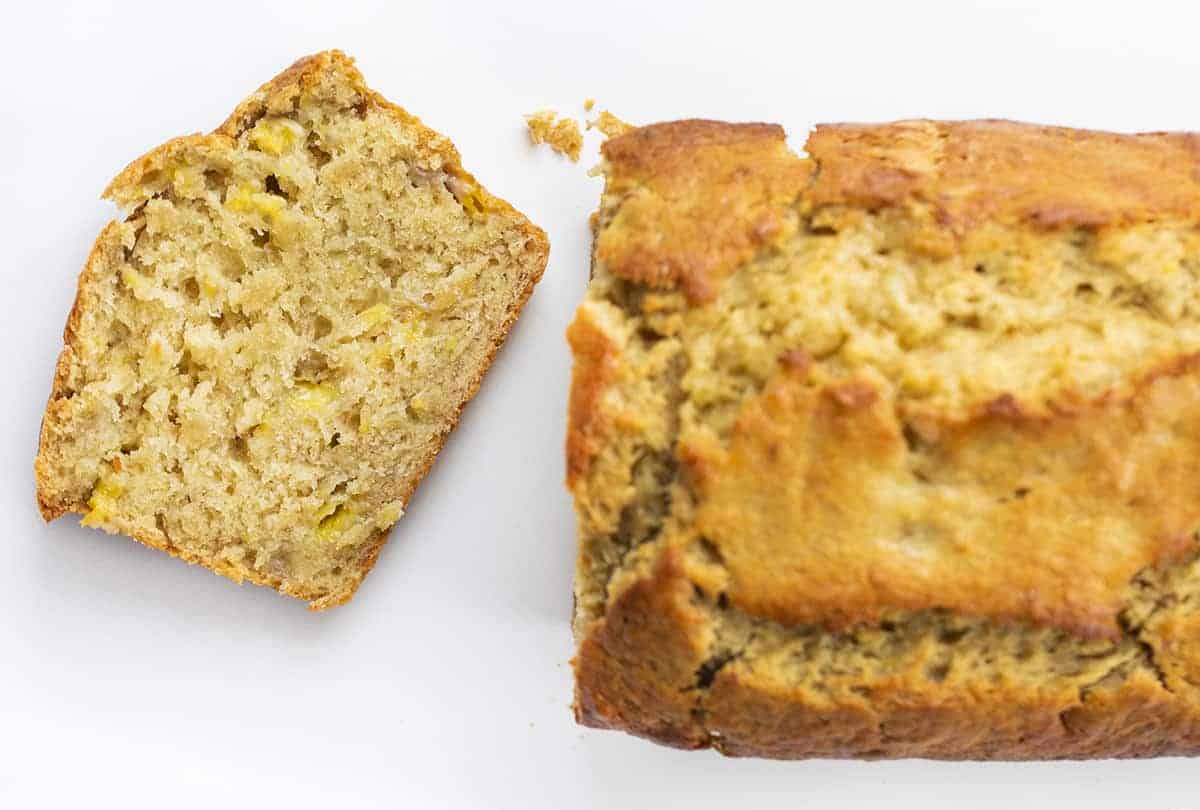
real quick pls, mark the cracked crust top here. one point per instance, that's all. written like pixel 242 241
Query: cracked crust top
pixel 975 171
pixel 671 231
pixel 891 451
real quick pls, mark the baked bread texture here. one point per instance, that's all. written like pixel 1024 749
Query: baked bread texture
pixel 892 450
pixel 265 356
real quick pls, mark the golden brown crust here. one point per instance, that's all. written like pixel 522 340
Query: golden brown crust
pixel 975 171
pixel 813 563
pixel 618 685
pixel 595 365
pixel 667 230
pixel 278 94
pixel 1106 497
pixel 902 720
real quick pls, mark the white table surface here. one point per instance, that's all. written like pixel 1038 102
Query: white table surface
pixel 130 679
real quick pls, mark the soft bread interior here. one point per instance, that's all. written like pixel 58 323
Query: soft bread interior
pixel 266 355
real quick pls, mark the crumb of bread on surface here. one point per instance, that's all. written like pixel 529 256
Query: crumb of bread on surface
pixel 588 104
pixel 609 124
pixel 560 134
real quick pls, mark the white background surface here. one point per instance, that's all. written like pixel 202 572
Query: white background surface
pixel 130 679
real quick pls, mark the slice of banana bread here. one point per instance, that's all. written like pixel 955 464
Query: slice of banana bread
pixel 265 356
pixel 894 450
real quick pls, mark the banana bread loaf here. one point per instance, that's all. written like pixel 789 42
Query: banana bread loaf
pixel 892 450
pixel 266 354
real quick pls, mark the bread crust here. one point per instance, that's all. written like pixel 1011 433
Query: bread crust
pixel 845 442
pixel 972 172
pixel 670 231
pixel 276 94
pixel 636 672
pixel 709 626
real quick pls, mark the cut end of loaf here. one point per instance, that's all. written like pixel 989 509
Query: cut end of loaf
pixel 266 355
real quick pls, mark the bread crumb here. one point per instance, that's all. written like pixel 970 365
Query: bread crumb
pixel 609 124
pixel 560 134
pixel 588 103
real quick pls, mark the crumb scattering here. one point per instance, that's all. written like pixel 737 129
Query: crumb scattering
pixel 560 134
pixel 609 124
pixel 588 104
